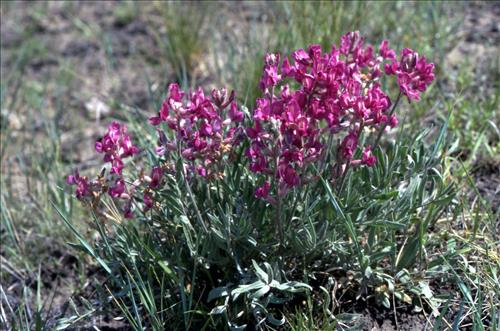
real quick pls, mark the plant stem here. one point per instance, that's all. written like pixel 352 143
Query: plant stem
pixel 191 196
pixel 344 174
pixel 190 192
pixel 348 164
pixel 277 220
pixel 385 124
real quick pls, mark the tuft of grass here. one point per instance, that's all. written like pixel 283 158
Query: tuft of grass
pixel 184 41
pixel 33 241
pixel 125 12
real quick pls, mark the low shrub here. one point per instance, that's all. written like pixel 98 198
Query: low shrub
pixel 237 220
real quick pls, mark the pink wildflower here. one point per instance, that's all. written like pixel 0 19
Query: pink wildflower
pixel 348 146
pixel 368 158
pixel 148 201
pixel 156 175
pixel 206 127
pixel 82 184
pixel 270 75
pixel 386 52
pixel 127 209
pixel 234 114
pixel 413 72
pixel 262 192
pixel 115 145
pixel 338 92
pixel 118 189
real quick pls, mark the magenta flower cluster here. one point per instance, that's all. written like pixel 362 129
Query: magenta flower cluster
pixel 82 189
pixel 116 145
pixel 413 72
pixel 316 109
pixel 206 128
pixel 338 98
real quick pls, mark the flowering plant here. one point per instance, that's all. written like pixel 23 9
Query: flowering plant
pixel 339 92
pixel 293 133
pixel 221 182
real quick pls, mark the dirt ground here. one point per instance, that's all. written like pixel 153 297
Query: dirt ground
pixel 95 59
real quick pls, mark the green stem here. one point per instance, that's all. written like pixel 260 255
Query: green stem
pixel 344 174
pixel 385 124
pixel 188 187
pixel 278 222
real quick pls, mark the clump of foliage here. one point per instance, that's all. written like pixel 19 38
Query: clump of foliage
pixel 235 219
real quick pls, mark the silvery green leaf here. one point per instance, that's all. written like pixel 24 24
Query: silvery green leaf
pixel 261 292
pixel 346 317
pixel 390 285
pixel 234 327
pixel 252 241
pixel 245 110
pixel 218 233
pixel 218 292
pixel 240 314
pixel 274 321
pixel 426 290
pixel 385 300
pixel 274 283
pixel 403 297
pixel 261 273
pixel 184 220
pixel 403 276
pixel 189 240
pixel 270 272
pixel 218 310
pixel 368 272
pixel 294 287
pixel 247 288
